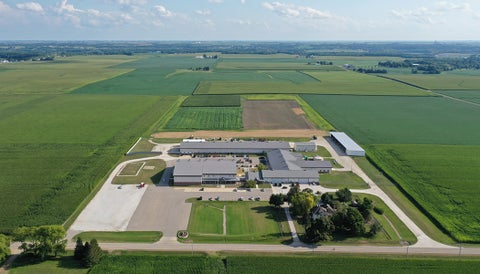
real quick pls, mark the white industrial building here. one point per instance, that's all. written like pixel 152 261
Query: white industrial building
pixel 347 144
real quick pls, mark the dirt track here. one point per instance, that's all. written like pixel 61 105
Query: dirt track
pixel 296 133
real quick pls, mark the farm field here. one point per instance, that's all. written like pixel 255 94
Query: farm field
pixel 444 81
pixel 467 95
pixel 215 118
pixel 60 76
pixel 212 101
pixel 246 222
pixel 400 120
pixel 121 236
pixel 142 262
pixel 442 179
pixel 58 141
pixel 423 146
pixel 272 114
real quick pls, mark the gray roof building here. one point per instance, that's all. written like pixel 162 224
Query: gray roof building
pixel 286 160
pixel 199 171
pixel 242 147
pixel 351 148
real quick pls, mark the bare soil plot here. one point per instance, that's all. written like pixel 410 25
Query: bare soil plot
pixel 268 114
pixel 287 133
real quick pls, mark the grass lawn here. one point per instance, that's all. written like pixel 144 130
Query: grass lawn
pixel 342 179
pixel 61 265
pixel 247 222
pixel 121 236
pixel 321 151
pixel 142 146
pixel 149 172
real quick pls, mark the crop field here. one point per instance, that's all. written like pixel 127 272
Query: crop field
pixel 339 82
pixel 436 163
pixel 442 81
pixel 53 153
pixel 273 115
pixel 212 101
pixel 442 179
pixel 400 120
pixel 467 95
pixel 60 76
pixel 358 61
pixel 191 118
pixel 142 262
pixel 246 222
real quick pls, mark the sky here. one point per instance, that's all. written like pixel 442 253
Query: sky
pixel 285 20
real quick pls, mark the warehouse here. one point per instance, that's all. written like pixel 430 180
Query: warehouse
pixel 347 144
pixel 242 147
pixel 204 171
pixel 290 176
pixel 305 146
pixel 286 160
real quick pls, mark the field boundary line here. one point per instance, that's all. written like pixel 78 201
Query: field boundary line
pixel 139 138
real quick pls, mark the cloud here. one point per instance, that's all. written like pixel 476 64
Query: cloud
pixel 131 2
pixel 4 8
pixel 435 13
pixel 30 6
pixel 69 8
pixel 243 1
pixel 203 12
pixel 215 1
pixel 294 11
pixel 163 11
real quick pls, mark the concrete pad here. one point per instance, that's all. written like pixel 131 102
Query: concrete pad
pixel 110 210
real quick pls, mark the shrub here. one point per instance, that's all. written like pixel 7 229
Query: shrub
pixel 4 248
pixel 378 210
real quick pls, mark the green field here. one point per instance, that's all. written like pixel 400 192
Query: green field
pixel 436 163
pixel 280 263
pixel 54 154
pixel 246 222
pixel 60 76
pixel 212 101
pixel 339 82
pixel 467 95
pixel 191 118
pixel 400 119
pixel 444 81
pixel 120 236
pixel 442 179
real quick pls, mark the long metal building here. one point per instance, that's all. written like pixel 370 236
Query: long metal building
pixel 350 147
pixel 242 147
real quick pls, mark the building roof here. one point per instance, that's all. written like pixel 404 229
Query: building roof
pixel 198 167
pixel 285 160
pixel 294 174
pixel 305 144
pixel 235 145
pixel 346 141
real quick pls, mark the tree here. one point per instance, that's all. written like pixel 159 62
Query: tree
pixel 261 167
pixel 344 195
pixel 277 199
pixel 292 192
pixel 375 228
pixel 250 184
pixel 78 252
pixel 350 221
pixel 41 241
pixel 4 248
pixel 365 208
pixel 302 203
pixel 327 198
pixel 321 229
pixel 86 255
